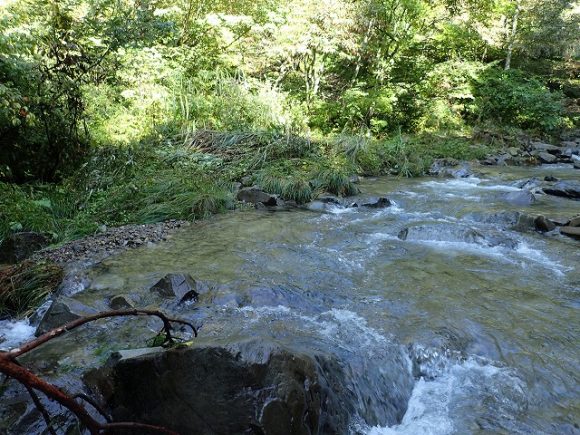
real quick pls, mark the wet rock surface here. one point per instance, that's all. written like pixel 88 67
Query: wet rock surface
pixel 523 198
pixel 566 189
pixel 177 285
pixel 62 311
pixel 251 387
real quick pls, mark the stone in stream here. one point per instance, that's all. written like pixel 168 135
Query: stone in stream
pixel 177 285
pixel 573 232
pixel 444 232
pixel 328 198
pixel 566 189
pixel 255 195
pixel 120 302
pixel 576 164
pixel 252 387
pixel 63 310
pixel 547 157
pixel 450 168
pixel 522 197
pixel 544 225
pixel 574 222
pixel 380 202
pixel 19 246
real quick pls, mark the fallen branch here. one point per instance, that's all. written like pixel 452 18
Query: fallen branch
pixel 11 368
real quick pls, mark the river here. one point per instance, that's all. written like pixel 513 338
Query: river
pixel 485 318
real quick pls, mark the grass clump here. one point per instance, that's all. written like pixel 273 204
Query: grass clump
pixel 24 286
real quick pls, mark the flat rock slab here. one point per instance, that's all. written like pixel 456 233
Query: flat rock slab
pixel 573 232
pixel 566 189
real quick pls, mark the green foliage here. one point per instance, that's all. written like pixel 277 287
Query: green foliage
pixel 513 98
pixel 148 110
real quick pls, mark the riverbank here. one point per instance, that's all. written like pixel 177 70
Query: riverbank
pixel 155 182
pixel 128 198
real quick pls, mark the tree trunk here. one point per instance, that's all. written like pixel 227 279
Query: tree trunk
pixel 512 39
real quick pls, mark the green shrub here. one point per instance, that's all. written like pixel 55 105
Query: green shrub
pixel 513 98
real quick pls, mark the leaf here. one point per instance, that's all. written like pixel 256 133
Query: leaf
pixel 15 226
pixel 44 202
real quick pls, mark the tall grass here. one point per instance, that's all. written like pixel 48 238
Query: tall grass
pixel 24 286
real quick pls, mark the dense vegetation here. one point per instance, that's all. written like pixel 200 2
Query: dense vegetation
pixel 120 111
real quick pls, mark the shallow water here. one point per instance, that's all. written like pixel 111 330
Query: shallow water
pixel 487 332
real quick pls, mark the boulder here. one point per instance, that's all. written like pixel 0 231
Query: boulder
pixel 576 164
pixel 566 189
pixel 249 387
pixel 544 225
pixel 547 157
pixel 550 178
pixel 573 232
pixel 19 246
pixel 120 302
pixel 255 195
pixel 545 148
pixel 380 202
pixel 574 222
pixel 177 285
pixel 63 310
pixel 522 197
pixel 450 168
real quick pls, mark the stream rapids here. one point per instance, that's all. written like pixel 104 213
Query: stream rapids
pixel 486 333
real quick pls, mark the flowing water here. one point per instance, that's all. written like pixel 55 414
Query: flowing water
pixel 466 326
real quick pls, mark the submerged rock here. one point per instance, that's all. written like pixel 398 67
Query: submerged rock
pixel 456 233
pixel 19 246
pixel 62 311
pixel 544 225
pixel 249 387
pixel 177 285
pixel 522 197
pixel 566 189
pixel 120 302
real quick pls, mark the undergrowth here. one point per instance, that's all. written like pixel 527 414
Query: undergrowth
pixel 155 181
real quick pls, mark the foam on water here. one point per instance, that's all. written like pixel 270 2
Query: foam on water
pixel 522 255
pixel 468 184
pixel 14 332
pixel 431 409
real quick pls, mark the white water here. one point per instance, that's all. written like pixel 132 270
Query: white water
pixel 14 332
